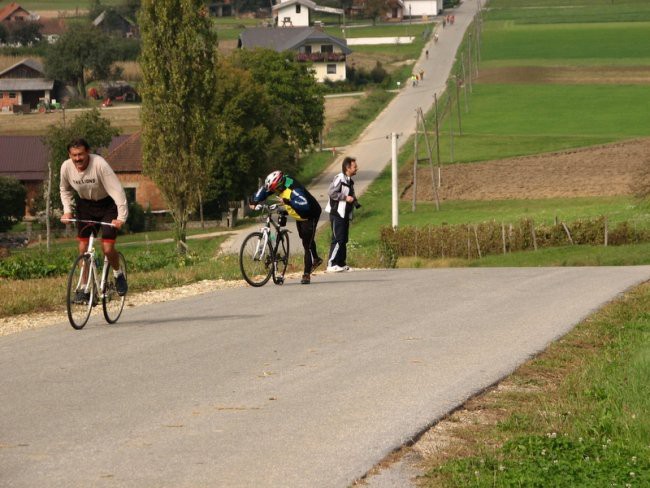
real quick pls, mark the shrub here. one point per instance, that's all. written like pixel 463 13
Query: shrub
pixel 475 240
pixel 135 222
pixel 12 202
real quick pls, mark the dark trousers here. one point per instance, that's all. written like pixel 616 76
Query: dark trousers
pixel 340 233
pixel 307 233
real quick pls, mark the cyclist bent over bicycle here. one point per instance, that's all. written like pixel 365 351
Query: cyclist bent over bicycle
pixel 302 206
pixel 101 198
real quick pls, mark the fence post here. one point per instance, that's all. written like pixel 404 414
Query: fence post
pixel 606 231
pixel 532 229
pixel 478 247
pixel 566 229
pixel 503 236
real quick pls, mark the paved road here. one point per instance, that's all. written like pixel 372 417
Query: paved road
pixel 288 386
pixel 373 147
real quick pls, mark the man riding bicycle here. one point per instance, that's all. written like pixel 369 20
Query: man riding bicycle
pixel 302 206
pixel 101 198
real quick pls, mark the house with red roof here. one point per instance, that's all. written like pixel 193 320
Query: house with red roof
pixel 15 13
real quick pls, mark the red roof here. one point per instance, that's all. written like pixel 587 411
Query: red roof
pixel 127 156
pixel 5 12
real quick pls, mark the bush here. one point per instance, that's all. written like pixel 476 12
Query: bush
pixel 475 240
pixel 12 202
pixel 135 222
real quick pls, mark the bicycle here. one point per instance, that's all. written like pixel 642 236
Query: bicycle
pixel 266 253
pixel 85 286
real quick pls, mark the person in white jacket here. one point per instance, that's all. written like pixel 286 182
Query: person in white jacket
pixel 341 205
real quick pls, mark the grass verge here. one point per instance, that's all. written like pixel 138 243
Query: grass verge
pixel 576 415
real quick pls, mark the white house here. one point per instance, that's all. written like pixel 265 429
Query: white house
pixel 422 8
pixel 310 44
pixel 292 13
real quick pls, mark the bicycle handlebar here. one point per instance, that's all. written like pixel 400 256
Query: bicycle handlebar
pixel 269 208
pixel 90 222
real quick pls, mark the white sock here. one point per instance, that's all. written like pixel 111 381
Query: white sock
pixel 117 272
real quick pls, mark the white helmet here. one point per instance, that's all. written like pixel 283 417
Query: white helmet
pixel 274 180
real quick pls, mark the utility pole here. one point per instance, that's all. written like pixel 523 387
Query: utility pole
pixel 395 200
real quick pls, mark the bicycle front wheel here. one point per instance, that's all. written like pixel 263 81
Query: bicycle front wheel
pixel 79 302
pixel 281 257
pixel 256 259
pixel 112 302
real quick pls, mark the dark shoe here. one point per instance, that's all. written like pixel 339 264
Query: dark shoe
pixel 81 298
pixel 305 279
pixel 121 285
pixel 317 262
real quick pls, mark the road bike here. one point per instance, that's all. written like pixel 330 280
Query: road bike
pixel 86 286
pixel 265 254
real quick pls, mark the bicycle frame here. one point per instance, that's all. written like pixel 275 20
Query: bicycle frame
pixel 93 272
pixel 266 230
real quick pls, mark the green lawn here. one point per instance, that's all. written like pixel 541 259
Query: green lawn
pixel 563 44
pixel 563 11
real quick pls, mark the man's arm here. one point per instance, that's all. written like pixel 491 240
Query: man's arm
pixel 115 190
pixel 67 194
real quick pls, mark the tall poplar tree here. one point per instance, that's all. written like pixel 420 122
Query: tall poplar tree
pixel 178 61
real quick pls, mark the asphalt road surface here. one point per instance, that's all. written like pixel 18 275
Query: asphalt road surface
pixel 280 386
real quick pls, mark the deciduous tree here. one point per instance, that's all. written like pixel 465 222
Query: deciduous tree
pixel 81 54
pixel 178 61
pixel 296 101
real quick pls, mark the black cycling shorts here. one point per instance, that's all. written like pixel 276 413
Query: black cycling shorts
pixel 103 210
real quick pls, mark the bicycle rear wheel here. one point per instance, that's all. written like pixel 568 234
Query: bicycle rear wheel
pixel 78 305
pixel 256 259
pixel 281 257
pixel 112 303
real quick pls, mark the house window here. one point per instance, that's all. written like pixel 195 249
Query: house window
pixel 331 69
pixel 298 8
pixel 307 49
pixel 12 95
pixel 327 48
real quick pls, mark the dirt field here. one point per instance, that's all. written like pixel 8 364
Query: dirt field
pixel 611 169
pixel 630 75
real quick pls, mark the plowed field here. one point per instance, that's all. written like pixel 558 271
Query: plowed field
pixel 612 169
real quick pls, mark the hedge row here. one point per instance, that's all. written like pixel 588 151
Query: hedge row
pixel 477 240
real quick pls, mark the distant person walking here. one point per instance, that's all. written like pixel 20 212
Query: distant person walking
pixel 341 205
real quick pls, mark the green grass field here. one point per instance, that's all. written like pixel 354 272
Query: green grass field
pixel 564 44
pixel 563 11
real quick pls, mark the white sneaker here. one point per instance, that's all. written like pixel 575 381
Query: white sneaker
pixel 335 269
pixel 346 268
